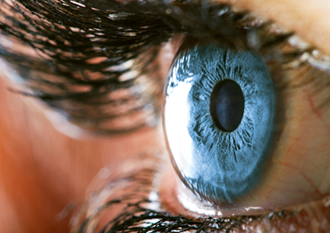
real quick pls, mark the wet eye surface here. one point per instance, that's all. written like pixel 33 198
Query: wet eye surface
pixel 219 119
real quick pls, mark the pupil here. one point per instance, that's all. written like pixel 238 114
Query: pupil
pixel 227 105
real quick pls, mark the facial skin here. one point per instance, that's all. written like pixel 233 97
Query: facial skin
pixel 42 170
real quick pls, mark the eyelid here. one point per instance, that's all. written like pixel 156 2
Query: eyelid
pixel 310 20
pixel 113 131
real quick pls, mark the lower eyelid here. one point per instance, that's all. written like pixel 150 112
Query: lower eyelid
pixel 177 199
pixel 137 180
pixel 295 218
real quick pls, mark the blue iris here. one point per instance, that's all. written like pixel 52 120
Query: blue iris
pixel 218 164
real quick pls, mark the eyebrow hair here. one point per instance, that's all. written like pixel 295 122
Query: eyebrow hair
pixel 83 49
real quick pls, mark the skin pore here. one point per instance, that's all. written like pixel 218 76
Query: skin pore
pixel 42 170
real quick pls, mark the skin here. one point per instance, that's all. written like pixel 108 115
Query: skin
pixel 40 175
pixel 309 19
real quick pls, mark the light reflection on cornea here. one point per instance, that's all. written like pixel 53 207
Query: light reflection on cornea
pixel 176 103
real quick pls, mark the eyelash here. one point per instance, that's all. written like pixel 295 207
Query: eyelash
pixel 65 79
pixel 68 78
pixel 141 212
pixel 269 40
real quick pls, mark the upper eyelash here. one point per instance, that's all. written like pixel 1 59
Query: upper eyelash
pixel 68 53
pixel 117 37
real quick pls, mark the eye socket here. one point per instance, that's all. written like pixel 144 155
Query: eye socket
pixel 272 169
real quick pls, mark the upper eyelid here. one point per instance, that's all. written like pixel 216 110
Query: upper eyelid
pixel 173 27
pixel 309 21
pixel 16 59
pixel 181 25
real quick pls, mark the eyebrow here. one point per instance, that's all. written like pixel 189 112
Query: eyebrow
pixel 83 47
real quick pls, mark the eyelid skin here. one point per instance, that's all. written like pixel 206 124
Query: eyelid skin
pixel 307 18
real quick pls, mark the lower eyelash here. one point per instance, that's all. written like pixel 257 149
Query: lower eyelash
pixel 140 212
pixel 140 209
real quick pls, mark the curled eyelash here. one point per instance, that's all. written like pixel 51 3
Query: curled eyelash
pixel 98 66
pixel 76 61
pixel 129 202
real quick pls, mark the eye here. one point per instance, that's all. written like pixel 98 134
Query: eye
pixel 219 119
pixel 294 158
pixel 235 138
